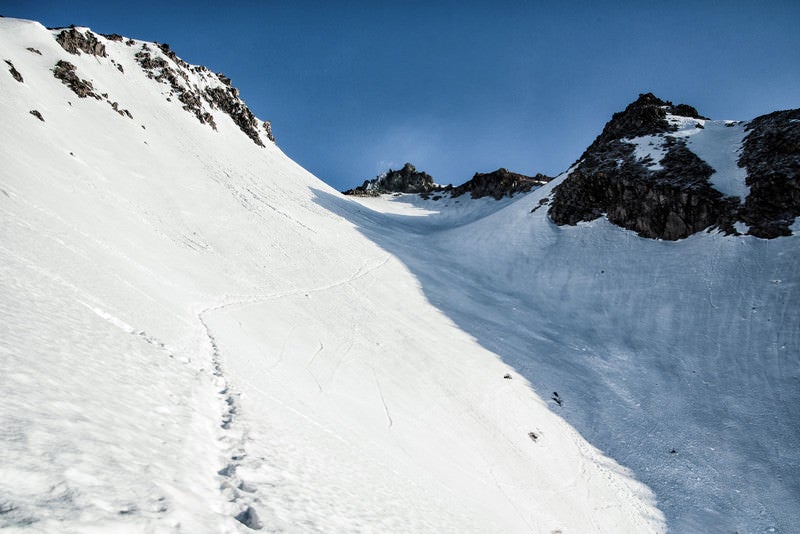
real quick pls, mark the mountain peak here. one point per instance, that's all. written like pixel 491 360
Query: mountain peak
pixel 405 180
pixel 649 171
pixel 647 115
pixel 499 183
pixel 198 91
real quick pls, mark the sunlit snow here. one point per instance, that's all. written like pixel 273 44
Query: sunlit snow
pixel 197 335
pixel 194 339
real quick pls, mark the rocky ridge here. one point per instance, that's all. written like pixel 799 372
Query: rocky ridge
pixel 673 198
pixel 73 41
pixel 196 88
pixel 497 184
pixel 642 174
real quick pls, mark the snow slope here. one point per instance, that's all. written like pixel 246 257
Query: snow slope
pixel 196 337
pixel 678 359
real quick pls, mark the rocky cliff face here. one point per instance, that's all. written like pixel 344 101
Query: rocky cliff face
pixel 499 183
pixel 771 155
pixel 673 198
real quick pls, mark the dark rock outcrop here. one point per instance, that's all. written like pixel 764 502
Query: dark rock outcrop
pixel 164 47
pixel 74 42
pixel 672 202
pixel 160 70
pixel 498 184
pixel 771 155
pixel 684 110
pixel 173 72
pixel 227 100
pixel 14 72
pixel 36 114
pixel 148 62
pixel 268 129
pixel 405 180
pixel 646 116
pixel 34 50
pixel 65 71
pixel 123 112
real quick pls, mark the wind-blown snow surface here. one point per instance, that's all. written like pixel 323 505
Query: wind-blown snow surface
pixel 192 340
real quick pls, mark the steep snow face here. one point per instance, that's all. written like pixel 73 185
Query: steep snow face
pixel 678 359
pixel 194 338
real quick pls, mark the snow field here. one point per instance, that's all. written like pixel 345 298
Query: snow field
pixel 653 346
pixel 196 339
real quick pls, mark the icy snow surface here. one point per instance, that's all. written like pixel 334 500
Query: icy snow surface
pixel 194 329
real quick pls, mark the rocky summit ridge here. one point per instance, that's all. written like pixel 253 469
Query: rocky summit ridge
pixel 194 87
pixel 496 184
pixel 646 172
pixel 405 180
pixel 674 197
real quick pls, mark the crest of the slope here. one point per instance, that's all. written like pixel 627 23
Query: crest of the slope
pixel 197 88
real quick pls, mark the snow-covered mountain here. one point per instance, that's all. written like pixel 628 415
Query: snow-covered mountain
pixel 667 172
pixel 197 335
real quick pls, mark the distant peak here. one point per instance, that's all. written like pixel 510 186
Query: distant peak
pixel 406 180
pixel 651 100
pixel 499 184
pixel 496 184
pixel 648 99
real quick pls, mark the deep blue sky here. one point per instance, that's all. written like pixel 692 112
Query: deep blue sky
pixel 353 88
